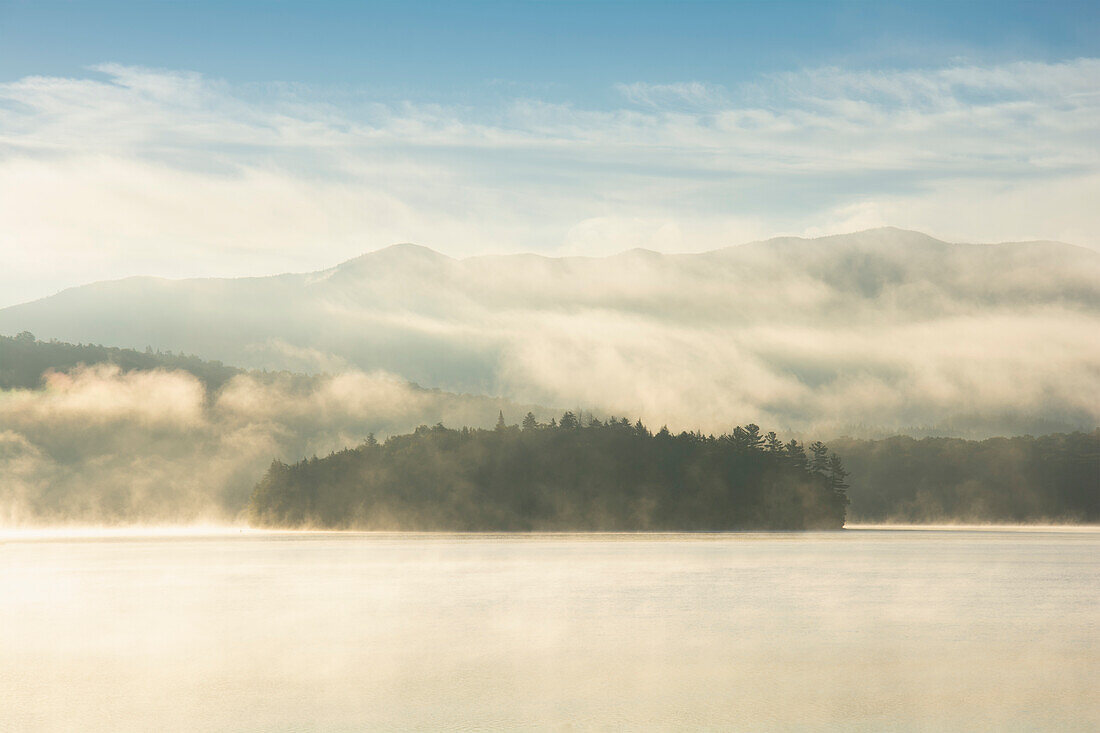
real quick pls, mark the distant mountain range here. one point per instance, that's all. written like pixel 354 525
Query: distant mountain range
pixel 879 329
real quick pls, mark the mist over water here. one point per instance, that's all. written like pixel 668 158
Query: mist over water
pixel 99 445
pixel 854 630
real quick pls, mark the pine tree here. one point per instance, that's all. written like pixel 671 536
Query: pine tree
pixel 837 474
pixel 820 462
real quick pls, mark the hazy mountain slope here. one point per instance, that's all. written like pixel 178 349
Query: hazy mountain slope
pixel 884 328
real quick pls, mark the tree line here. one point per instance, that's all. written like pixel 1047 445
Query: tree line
pixel 1049 478
pixel 568 475
pixel 24 359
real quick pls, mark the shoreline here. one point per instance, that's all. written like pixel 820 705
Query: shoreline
pixel 213 531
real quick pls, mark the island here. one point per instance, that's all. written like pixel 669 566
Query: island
pixel 568 475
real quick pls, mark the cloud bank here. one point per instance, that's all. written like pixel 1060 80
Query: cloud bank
pixel 136 171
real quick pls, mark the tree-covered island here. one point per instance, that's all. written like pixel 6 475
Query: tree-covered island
pixel 565 476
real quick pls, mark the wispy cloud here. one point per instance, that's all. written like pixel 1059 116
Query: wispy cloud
pixel 130 170
pixel 692 94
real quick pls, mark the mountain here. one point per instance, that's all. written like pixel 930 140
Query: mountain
pixel 877 330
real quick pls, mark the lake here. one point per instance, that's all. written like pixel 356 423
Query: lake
pixel 863 629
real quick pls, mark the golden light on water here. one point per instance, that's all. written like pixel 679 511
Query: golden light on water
pixel 91 532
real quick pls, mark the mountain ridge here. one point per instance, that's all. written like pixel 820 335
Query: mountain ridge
pixel 392 252
pixel 790 332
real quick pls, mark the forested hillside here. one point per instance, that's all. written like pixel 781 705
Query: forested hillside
pixel 24 359
pixel 1052 478
pixel 613 476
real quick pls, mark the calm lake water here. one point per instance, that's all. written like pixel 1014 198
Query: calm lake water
pixel 855 630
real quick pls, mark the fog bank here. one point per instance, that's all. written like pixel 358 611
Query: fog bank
pixel 862 334
pixel 99 445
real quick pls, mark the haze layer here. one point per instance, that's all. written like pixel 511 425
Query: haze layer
pixel 884 329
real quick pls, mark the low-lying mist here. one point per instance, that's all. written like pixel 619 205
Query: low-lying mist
pixel 100 445
pixel 865 334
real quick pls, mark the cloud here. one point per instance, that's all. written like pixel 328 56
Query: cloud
pixel 818 378
pixel 691 94
pixel 963 207
pixel 130 170
pixel 884 329
pixel 873 332
pixel 103 394
pixel 97 445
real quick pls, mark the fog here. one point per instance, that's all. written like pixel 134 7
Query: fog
pixel 861 334
pixel 97 445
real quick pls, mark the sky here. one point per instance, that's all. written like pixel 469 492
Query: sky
pixel 238 138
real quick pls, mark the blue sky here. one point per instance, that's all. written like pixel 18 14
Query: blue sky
pixel 222 138
pixel 567 50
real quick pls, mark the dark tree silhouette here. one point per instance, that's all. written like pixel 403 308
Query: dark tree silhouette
pixel 796 453
pixel 602 476
pixel 820 461
pixel 1051 478
pixel 24 360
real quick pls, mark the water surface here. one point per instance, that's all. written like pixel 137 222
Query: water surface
pixel 856 630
